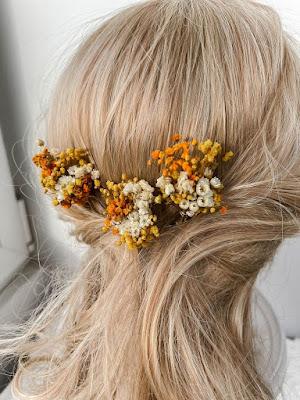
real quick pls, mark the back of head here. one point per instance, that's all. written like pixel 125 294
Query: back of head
pixel 172 321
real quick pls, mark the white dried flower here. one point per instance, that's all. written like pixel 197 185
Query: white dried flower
pixel 142 204
pixel 144 220
pixel 60 196
pixel 128 188
pixel 64 181
pixel 187 187
pixel 88 168
pixel 135 231
pixel 184 204
pixel 129 226
pixel 54 152
pixel 72 169
pixel 169 188
pixel 190 213
pixel 200 201
pixel 182 176
pixel 145 186
pixel 162 181
pixel 80 171
pixel 216 183
pixel 143 211
pixel 133 216
pixel 136 188
pixel 184 185
pixel 95 174
pixel 126 225
pixel 208 201
pixel 141 217
pixel 193 206
pixel 145 195
pixel 205 201
pixel 203 187
pixel 193 197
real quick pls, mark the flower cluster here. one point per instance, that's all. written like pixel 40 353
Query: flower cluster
pixel 68 175
pixel 187 175
pixel 129 214
pixel 187 180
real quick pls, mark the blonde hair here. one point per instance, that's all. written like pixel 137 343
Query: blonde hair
pixel 173 321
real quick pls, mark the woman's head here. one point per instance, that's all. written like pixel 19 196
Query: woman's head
pixel 173 321
pixel 220 69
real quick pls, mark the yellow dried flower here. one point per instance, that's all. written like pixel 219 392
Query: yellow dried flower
pixel 227 156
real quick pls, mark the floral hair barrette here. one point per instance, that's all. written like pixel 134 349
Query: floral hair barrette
pixel 187 181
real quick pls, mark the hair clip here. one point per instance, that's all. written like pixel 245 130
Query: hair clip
pixel 69 176
pixel 187 178
pixel 129 212
pixel 187 181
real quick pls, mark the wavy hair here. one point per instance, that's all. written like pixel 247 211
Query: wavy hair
pixel 172 321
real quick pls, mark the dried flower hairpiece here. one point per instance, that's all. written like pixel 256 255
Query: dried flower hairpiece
pixel 68 176
pixel 187 180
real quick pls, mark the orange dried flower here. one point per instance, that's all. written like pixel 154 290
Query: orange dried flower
pixel 175 137
pixel 155 154
pixel 223 210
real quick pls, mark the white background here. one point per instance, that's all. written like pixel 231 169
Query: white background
pixel 43 35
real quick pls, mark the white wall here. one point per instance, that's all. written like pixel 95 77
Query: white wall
pixel 45 33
